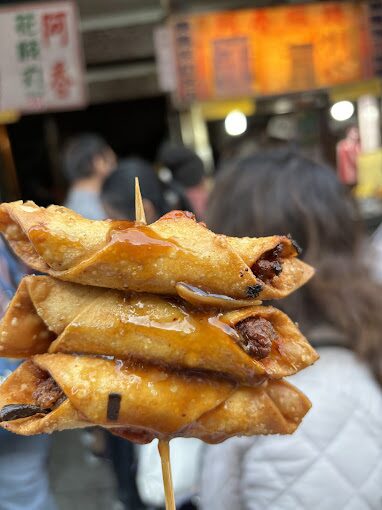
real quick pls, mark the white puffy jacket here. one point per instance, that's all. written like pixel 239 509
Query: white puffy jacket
pixel 332 462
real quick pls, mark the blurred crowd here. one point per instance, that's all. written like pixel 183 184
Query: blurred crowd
pixel 334 460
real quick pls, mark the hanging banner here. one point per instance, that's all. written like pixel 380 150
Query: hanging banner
pixel 270 51
pixel 41 66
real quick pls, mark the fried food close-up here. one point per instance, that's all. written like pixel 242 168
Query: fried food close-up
pixel 150 331
pixel 48 315
pixel 174 255
pixel 60 391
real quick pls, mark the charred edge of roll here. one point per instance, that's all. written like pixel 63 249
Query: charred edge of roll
pixel 48 396
pixel 256 335
pixel 254 290
pixel 295 245
pixel 113 406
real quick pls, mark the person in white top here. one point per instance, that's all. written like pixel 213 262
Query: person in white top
pixel 334 460
pixel 87 160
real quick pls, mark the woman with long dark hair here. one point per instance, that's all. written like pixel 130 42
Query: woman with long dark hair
pixel 334 460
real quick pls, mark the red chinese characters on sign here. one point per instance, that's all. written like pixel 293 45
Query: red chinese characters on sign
pixel 333 13
pixel 55 25
pixel 60 81
pixel 260 20
pixel 41 65
pixel 226 24
pixel 296 16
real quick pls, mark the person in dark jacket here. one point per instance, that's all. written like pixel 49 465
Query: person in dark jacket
pixel 118 191
pixel 187 176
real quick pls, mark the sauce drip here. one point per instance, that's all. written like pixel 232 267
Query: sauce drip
pixel 164 452
pixel 197 296
pixel 138 240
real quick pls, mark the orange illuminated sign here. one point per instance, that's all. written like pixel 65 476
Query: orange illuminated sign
pixel 271 50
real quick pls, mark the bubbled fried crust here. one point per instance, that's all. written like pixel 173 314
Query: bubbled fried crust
pixel 154 401
pixel 152 258
pixel 92 320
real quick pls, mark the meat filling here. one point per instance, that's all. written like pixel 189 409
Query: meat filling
pixel 48 394
pixel 256 336
pixel 269 265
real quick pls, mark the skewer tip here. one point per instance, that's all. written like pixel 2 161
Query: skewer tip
pixel 140 215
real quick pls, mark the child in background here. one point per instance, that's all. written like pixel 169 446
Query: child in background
pixel 24 480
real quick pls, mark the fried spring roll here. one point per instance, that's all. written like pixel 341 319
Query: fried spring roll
pixel 274 262
pixel 50 315
pixel 60 391
pixel 158 258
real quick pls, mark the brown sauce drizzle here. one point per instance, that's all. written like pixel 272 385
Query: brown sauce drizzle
pixel 139 240
pixel 197 296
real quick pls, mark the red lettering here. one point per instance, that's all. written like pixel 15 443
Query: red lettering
pixel 55 25
pixel 60 80
pixel 333 13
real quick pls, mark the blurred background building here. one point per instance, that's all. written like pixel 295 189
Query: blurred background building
pixel 220 76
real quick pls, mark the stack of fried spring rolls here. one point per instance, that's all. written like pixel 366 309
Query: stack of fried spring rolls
pixel 150 331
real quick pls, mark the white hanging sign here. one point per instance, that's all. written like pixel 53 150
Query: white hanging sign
pixel 41 65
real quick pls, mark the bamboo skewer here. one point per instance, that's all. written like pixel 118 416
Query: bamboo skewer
pixel 163 446
pixel 140 215
pixel 164 452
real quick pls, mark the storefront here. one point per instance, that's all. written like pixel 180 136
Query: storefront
pixel 109 87
pixel 223 82
pixel 300 74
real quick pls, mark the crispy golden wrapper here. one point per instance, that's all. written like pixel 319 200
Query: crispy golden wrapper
pixel 50 315
pixel 147 401
pixel 158 258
